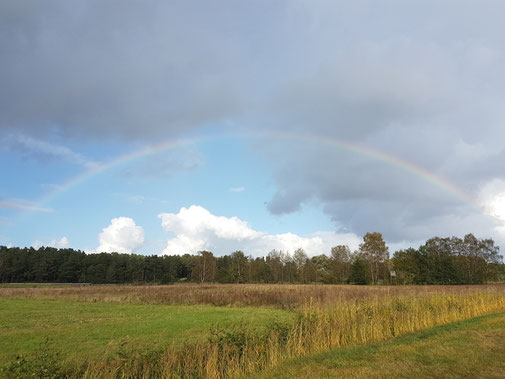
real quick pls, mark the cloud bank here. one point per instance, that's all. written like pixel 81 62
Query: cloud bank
pixel 421 80
pixel 121 236
pixel 195 229
pixel 59 244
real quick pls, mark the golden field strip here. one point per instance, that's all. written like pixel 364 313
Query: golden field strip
pixel 285 296
pixel 325 317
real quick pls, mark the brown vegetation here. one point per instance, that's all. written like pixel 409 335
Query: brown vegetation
pixel 319 328
pixel 285 296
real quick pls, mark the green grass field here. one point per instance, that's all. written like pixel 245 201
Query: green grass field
pixel 272 330
pixel 468 349
pixel 83 330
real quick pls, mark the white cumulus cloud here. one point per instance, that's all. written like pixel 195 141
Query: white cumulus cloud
pixel 195 228
pixel 492 200
pixel 121 236
pixel 237 189
pixel 60 244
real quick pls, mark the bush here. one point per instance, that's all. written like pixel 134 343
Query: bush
pixel 43 363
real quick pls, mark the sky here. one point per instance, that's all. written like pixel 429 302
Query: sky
pixel 161 127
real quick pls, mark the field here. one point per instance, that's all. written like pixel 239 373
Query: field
pixel 233 330
pixel 467 349
pixel 82 330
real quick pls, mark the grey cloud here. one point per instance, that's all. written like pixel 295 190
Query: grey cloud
pixel 285 202
pixel 123 69
pixel 421 80
pixel 38 149
pixel 362 94
pixel 432 100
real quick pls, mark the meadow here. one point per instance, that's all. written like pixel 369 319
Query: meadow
pixel 466 349
pixel 213 330
pixel 88 331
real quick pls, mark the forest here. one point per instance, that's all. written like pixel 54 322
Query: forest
pixel 450 260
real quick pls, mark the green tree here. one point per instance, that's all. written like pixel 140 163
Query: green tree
pixel 340 263
pixel 238 267
pixel 410 267
pixel 300 259
pixel 275 263
pixel 205 268
pixel 322 264
pixel 358 272
pixel 259 271
pixel 309 274
pixel 375 252
pixel 440 253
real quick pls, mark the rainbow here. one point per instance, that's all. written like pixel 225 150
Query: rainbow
pixel 343 145
pixel 100 168
pixel 390 159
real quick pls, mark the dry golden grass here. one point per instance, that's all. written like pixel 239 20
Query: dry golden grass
pixel 318 328
pixel 285 296
pixel 467 349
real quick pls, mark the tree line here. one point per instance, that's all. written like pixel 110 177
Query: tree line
pixel 439 261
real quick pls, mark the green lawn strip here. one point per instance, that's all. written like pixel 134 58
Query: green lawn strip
pixel 467 349
pixel 81 330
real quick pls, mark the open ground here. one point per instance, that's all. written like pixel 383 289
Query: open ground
pixel 217 330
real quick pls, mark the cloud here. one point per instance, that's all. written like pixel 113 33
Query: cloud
pixel 23 205
pixel 3 242
pixel 492 199
pixel 60 244
pixel 400 79
pixel 401 98
pixel 237 189
pixel 5 221
pixel 132 199
pixel 195 228
pixel 103 70
pixel 121 236
pixel 41 149
pixel 167 163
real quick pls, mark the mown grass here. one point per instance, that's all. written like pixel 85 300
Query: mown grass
pixel 467 349
pixel 81 331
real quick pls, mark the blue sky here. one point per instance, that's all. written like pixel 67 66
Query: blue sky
pixel 266 96
pixel 220 173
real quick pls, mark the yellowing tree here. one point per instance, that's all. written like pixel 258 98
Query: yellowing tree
pixel 375 252
pixel 205 268
pixel 340 263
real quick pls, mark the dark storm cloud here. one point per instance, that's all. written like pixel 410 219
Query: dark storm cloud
pixel 124 69
pixel 428 92
pixel 421 80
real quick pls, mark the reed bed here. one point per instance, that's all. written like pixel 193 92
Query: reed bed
pixel 284 296
pixel 319 327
